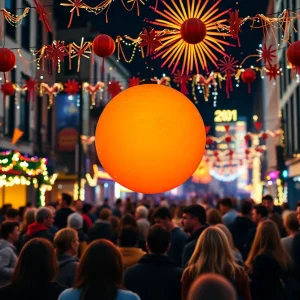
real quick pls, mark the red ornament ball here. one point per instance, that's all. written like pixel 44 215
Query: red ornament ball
pixel 103 45
pixel 7 60
pixel 247 137
pixel 209 141
pixel 193 31
pixel 264 136
pixel 228 139
pixel 247 151
pixel 293 54
pixel 248 76
pixel 7 89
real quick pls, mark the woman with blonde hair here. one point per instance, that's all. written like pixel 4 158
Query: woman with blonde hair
pixel 213 254
pixel 270 266
pixel 29 218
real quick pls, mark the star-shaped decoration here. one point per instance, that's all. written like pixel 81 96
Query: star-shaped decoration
pixel 235 23
pixel 72 87
pixel 114 88
pixel 133 81
pixel 56 53
pixel 273 71
pixel 31 84
pixel 40 9
pixel 267 53
pixel 182 80
pixel 150 40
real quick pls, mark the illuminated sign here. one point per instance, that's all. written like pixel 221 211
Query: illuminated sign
pixel 98 174
pixel 223 116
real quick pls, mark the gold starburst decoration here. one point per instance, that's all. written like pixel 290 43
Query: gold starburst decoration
pixel 190 34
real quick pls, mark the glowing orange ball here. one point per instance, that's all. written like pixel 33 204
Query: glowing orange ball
pixel 150 138
pixel 193 31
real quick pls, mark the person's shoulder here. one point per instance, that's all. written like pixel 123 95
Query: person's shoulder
pixel 70 294
pixel 127 295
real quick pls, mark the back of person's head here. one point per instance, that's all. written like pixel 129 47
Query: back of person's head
pixel 13 214
pixel 6 228
pixel 261 210
pixel 212 254
pixel 246 208
pixel 118 202
pixel 87 207
pixel 162 213
pixel 268 197
pixel 212 287
pixel 29 216
pixel 75 221
pixel 214 217
pixel 291 222
pixel 228 234
pixel 158 239
pixel 64 239
pixel 267 241
pixel 128 236
pixel 42 213
pixel 105 214
pixel 36 266
pixel 141 212
pixel 226 202
pixel 128 220
pixel 277 219
pixel 66 199
pixel 115 222
pixel 196 211
pixel 5 208
pixel 100 271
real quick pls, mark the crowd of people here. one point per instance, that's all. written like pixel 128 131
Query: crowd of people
pixel 141 250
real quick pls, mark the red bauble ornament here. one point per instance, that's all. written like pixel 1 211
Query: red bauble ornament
pixel 248 76
pixel 293 54
pixel 103 45
pixel 7 61
pixel 216 153
pixel 193 31
pixel 7 89
pixel 209 141
pixel 247 137
pixel 228 139
pixel 231 152
pixel 264 136
pixel 247 151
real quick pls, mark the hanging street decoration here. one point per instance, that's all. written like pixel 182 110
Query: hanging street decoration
pixel 92 90
pixel 133 81
pixel 114 88
pixel 51 91
pixel 43 15
pixel 71 87
pixel 7 89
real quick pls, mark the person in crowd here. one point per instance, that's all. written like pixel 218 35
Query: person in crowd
pixel 4 209
pixel 102 227
pixel 236 252
pixel 292 226
pixel 214 255
pixel 141 215
pixel 214 217
pixel 9 236
pixel 40 228
pixel 269 264
pixel 53 229
pixel 34 275
pixel 12 215
pixel 298 212
pixel 87 209
pixel 129 219
pixel 212 287
pixel 117 209
pixel 193 222
pixel 228 212
pixel 128 241
pixel 163 217
pixel 176 213
pixel 242 225
pixel 99 275
pixel 29 218
pixel 268 203
pixel 115 224
pixel 77 206
pixel 75 221
pixel 278 220
pixel 64 211
pixel 66 244
pixel 155 276
pixel 295 254
pixel 259 214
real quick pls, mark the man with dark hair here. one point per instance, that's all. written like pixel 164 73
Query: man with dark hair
pixel 226 208
pixel 12 215
pixel 241 226
pixel 268 203
pixel 40 228
pixel 62 214
pixel 9 236
pixel 156 275
pixel 259 214
pixel 193 222
pixel 117 209
pixel 128 241
pixel 162 216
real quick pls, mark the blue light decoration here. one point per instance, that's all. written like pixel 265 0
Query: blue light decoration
pixel 285 174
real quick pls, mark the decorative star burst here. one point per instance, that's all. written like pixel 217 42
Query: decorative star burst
pixel 267 54
pixel 72 87
pixel 175 50
pixel 228 66
pixel 235 23
pixel 133 81
pixel 56 53
pixel 182 80
pixel 40 9
pixel 114 88
pixel 273 71
pixel 151 40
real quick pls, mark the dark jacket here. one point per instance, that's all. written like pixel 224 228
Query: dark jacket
pixel 239 229
pixel 61 217
pixel 178 241
pixel 37 230
pixel 249 241
pixel 49 292
pixel 67 266
pixel 100 230
pixel 8 261
pixel 296 254
pixel 190 246
pixel 154 277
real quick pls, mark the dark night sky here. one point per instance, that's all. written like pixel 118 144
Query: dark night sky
pixel 122 22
